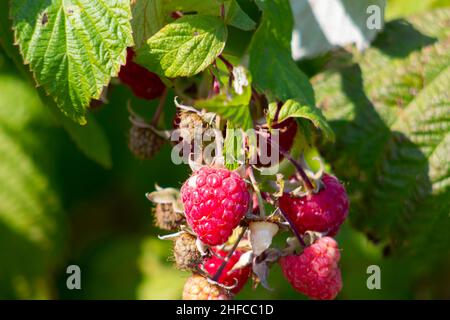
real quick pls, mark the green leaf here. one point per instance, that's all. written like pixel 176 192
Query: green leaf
pixel 209 8
pixel 232 105
pixel 294 109
pixel 271 63
pixel 184 47
pixel 32 224
pixel 149 16
pixel 73 47
pixel 390 113
pixel 90 138
pixel 237 17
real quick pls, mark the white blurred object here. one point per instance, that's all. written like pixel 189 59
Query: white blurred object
pixel 261 235
pixel 321 25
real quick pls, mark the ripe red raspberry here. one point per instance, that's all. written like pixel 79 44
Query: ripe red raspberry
pixel 143 83
pixel 287 131
pixel 229 278
pixel 215 200
pixel 324 211
pixel 315 272
pixel 198 288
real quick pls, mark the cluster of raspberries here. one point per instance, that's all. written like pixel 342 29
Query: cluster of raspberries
pixel 215 204
pixel 216 201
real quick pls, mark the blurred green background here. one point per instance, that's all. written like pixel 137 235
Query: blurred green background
pixel 59 208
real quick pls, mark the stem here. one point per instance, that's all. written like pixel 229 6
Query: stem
pixel 262 210
pixel 229 65
pixel 299 169
pixel 159 109
pixel 296 164
pixel 230 68
pixel 225 261
pixel 297 234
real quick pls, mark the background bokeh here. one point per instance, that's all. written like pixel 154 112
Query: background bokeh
pixel 58 207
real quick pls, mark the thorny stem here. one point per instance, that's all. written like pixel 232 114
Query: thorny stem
pixel 227 258
pixel 294 229
pixel 159 109
pixel 255 185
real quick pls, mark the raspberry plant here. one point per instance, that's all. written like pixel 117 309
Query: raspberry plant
pixel 218 75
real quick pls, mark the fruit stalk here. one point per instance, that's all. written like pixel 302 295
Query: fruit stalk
pixel 228 64
pixel 230 253
pixel 299 169
pixel 293 228
pixel 296 164
pixel 159 109
pixel 262 210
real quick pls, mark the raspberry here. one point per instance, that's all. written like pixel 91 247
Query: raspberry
pixel 288 130
pixel 166 218
pixel 236 278
pixel 215 200
pixel 315 272
pixel 198 288
pixel 144 143
pixel 187 256
pixel 324 211
pixel 143 83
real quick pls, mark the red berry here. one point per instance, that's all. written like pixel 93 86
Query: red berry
pixel 324 211
pixel 143 83
pixel 228 278
pixel 315 272
pixel 287 131
pixel 215 200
